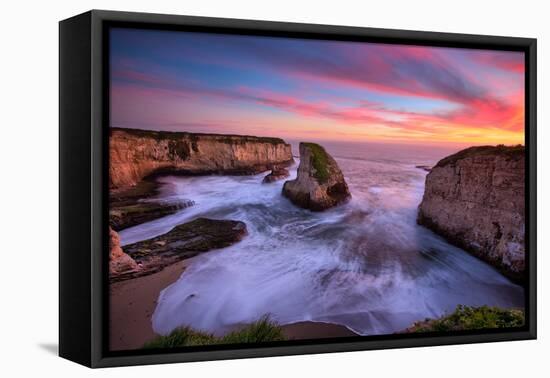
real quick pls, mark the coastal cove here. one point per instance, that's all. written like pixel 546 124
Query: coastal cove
pixel 365 265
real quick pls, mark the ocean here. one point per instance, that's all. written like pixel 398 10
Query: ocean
pixel 366 264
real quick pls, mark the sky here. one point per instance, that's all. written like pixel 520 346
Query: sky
pixel 301 89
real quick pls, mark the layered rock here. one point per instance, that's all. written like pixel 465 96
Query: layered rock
pixel 476 200
pixel 182 242
pixel 119 262
pixel 320 183
pixel 141 212
pixel 278 173
pixel 135 154
pixel 139 204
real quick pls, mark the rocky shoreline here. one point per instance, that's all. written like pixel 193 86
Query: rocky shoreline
pixel 136 205
pixel 182 242
pixel 472 198
pixel 132 202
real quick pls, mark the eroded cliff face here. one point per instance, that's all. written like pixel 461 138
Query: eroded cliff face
pixel 184 241
pixel 135 154
pixel 476 200
pixel 119 262
pixel 320 183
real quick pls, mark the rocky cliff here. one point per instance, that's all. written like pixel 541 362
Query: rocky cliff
pixel 135 154
pixel 182 242
pixel 476 200
pixel 119 262
pixel 320 183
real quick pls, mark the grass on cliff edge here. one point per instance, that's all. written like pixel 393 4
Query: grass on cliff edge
pixel 319 161
pixel 176 135
pixel 469 318
pixel 509 151
pixel 263 330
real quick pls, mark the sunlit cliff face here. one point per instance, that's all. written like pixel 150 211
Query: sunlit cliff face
pixel 311 89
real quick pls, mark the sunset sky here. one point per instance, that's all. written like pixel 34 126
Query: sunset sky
pixel 313 90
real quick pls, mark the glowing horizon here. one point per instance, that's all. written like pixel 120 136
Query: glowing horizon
pixel 312 89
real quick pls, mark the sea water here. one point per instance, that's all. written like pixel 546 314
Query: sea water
pixel 366 264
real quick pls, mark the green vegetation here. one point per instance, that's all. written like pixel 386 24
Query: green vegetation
pixel 263 330
pixel 468 318
pixel 511 152
pixel 319 161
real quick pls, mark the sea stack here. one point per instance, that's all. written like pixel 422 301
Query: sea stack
pixel 320 183
pixel 476 200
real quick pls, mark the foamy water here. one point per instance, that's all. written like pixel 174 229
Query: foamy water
pixel 366 265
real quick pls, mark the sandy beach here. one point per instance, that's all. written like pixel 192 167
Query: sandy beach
pixel 133 303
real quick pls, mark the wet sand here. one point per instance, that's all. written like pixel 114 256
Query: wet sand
pixel 133 303
pixel 315 330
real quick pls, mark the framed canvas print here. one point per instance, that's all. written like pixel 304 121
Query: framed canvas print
pixel 234 188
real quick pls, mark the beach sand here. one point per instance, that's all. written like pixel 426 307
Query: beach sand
pixel 133 302
pixel 315 330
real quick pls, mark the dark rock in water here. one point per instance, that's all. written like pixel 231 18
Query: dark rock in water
pixel 182 242
pixel 278 173
pixel 199 235
pixel 121 217
pixel 476 200
pixel 426 168
pixel 320 183
pixel 147 188
pixel 137 205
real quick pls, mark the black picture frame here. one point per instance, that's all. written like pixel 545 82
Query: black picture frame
pixel 83 196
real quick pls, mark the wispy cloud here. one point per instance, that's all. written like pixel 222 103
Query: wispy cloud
pixel 235 80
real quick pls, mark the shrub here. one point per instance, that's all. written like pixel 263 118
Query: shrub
pixel 263 330
pixel 179 337
pixel 468 318
pixel 258 332
pixel 319 161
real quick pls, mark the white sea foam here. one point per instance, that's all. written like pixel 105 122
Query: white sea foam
pixel 366 265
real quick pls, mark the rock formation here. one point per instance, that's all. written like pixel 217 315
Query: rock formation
pixel 135 154
pixel 138 204
pixel 476 200
pixel 278 173
pixel 119 262
pixel 426 168
pixel 121 217
pixel 319 184
pixel 182 242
